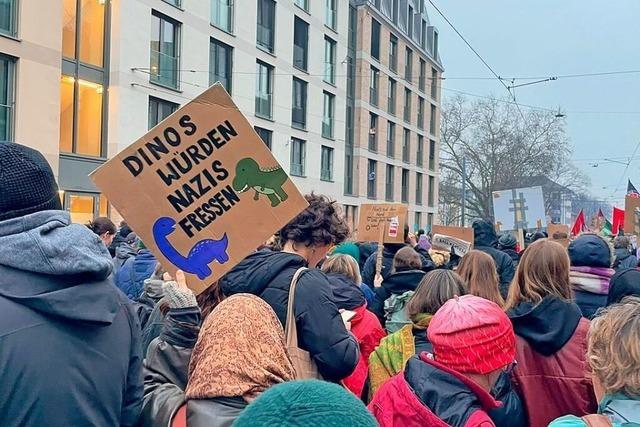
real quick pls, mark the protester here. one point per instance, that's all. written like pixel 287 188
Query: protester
pixel 104 228
pixel 69 341
pixel 307 240
pixel 485 240
pixel 152 293
pixel 353 250
pixel 393 292
pixel 131 276
pixel 614 357
pixel 623 283
pixel 552 376
pixel 306 403
pixel 344 275
pixel 507 243
pixel 120 238
pixel 591 259
pixel 124 251
pixel 623 257
pixel 473 345
pixel 478 271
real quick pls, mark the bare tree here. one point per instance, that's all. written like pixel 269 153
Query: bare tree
pixel 502 148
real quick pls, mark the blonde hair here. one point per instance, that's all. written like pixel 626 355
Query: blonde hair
pixel 479 272
pixel 614 347
pixel 543 270
pixel 343 264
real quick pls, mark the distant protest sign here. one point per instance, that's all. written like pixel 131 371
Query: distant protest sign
pixel 632 215
pixel 519 209
pixel 386 221
pixel 460 239
pixel 201 189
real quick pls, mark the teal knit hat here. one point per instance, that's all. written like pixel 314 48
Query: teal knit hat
pixel 306 403
pixel 348 248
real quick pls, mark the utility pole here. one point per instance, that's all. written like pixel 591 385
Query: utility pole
pixel 464 190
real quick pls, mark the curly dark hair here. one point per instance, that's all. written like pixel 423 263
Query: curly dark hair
pixel 321 223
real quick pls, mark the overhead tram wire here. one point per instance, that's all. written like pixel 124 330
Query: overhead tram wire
pixel 626 169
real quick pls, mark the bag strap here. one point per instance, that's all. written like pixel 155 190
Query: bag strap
pixel 597 420
pixel 290 329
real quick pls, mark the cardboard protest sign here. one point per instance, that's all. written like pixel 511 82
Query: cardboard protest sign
pixel 201 189
pixel 448 243
pixel 519 209
pixel 386 220
pixel 631 211
pixel 463 233
pixel 558 231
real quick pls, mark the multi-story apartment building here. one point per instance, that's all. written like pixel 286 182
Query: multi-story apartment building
pixel 393 107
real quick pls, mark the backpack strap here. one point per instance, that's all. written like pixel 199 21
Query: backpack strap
pixel 597 420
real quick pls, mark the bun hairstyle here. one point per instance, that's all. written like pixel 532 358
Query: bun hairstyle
pixel 101 226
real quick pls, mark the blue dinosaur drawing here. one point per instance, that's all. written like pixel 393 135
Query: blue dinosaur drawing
pixel 200 256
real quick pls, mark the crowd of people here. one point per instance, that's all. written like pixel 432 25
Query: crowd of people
pixel 308 330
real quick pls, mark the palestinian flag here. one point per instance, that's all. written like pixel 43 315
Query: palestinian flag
pixel 579 226
pixel 631 190
pixel 607 228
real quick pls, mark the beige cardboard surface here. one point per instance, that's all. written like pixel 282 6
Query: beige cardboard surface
pixel 447 243
pixel 374 216
pixel 553 229
pixel 201 189
pixel 630 206
pixel 462 233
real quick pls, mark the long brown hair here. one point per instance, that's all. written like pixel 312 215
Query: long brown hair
pixel 406 259
pixel 435 288
pixel 479 272
pixel 543 270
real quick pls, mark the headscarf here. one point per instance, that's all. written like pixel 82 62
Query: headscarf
pixel 241 351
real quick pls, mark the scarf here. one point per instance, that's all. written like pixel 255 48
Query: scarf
pixel 591 279
pixel 240 351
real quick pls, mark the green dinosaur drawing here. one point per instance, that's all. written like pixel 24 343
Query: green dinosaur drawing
pixel 263 181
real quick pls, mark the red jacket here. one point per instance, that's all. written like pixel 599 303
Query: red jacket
pixel 396 403
pixel 366 327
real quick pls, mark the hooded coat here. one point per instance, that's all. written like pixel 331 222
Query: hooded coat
pixel 69 340
pixel 624 283
pixel 552 376
pixel 321 330
pixel 486 240
pixel 624 259
pixel 388 252
pixel 123 253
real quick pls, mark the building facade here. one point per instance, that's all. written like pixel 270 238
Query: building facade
pixel 82 79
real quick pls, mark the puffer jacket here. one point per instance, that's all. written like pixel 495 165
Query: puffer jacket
pixel 486 240
pixel 624 259
pixel 394 284
pixel 321 330
pixel 123 253
pixel 430 394
pixel 553 376
pixel 131 276
pixel 388 252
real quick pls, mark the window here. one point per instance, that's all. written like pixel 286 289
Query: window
pixel 265 134
pixel 264 90
pixel 435 82
pixel 432 155
pixel 406 145
pixel 420 151
pixel 331 16
pixel 418 188
pixel 176 3
pixel 407 105
pixel 159 109
pixel 7 67
pixel 391 99
pixel 432 181
pixel 326 164
pixel 423 35
pixel 328 115
pixel 432 120
pixel 375 39
pixel 373 132
pixel 405 186
pixel 417 222
pixel 85 207
pixel 164 51
pixel 408 65
pixel 220 63
pixel 299 104
pixel 410 22
pixel 393 53
pixel 80 116
pixel 371 179
pixel 298 156
pixel 222 14
pixel 373 86
pixel 303 4
pixel 391 139
pixel 422 78
pixel 87 32
pixel 329 60
pixel 266 25
pixel 388 187
pixel 429 222
pixel 420 112
pixel 300 44
pixel 8 17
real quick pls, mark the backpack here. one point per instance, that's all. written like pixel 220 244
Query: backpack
pixel 394 312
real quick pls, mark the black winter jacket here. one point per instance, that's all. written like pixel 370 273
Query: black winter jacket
pixel 395 284
pixel 485 240
pixel 388 252
pixel 321 330
pixel 624 260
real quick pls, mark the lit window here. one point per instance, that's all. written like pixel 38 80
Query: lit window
pixel 81 107
pixel 91 35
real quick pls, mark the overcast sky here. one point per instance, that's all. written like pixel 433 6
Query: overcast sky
pixel 551 38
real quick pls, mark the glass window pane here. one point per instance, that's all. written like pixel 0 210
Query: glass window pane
pixel 263 90
pixel 88 139
pixel 164 51
pixel 299 103
pixel 6 97
pixel 67 84
pixel 222 14
pixel 220 64
pixel 104 205
pixel 81 208
pixel 69 28
pixel 265 30
pixel 92 32
pixel 300 43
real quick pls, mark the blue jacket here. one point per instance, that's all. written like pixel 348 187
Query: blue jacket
pixel 69 340
pixel 621 410
pixel 131 276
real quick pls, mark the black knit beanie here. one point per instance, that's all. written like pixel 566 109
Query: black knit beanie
pixel 27 184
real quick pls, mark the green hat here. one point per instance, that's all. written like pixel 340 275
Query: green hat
pixel 306 403
pixel 348 248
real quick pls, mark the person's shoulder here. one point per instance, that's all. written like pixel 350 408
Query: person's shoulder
pixel 567 421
